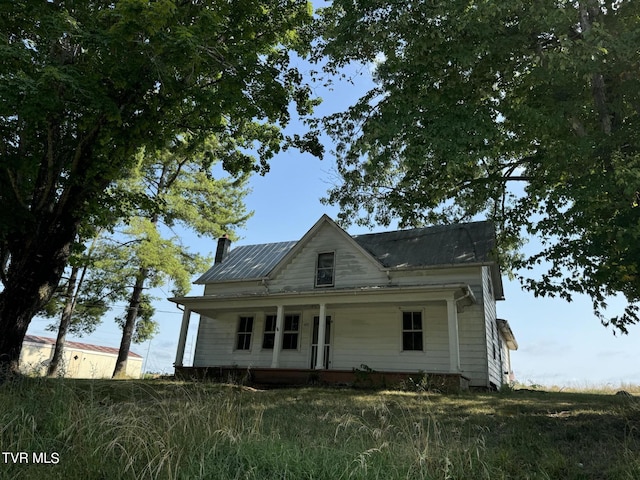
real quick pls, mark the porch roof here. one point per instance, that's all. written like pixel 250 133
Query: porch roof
pixel 205 304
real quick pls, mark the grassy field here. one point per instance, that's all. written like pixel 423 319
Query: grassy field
pixel 166 430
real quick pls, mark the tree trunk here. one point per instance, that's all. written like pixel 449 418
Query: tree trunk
pixel 65 321
pixel 13 333
pixel 38 259
pixel 130 323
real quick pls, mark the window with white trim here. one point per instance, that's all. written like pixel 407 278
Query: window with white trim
pixel 243 337
pixel 325 268
pixel 291 332
pixel 412 331
pixel 269 337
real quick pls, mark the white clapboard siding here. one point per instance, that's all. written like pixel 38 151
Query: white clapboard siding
pixel 506 363
pixel 217 341
pixel 370 336
pixel 491 331
pixel 471 333
pixel 352 267
pixel 373 337
pixel 235 288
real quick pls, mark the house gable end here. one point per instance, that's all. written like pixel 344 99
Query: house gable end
pixel 354 266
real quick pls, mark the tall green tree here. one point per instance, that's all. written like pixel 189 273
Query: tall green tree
pixel 79 302
pixel 179 182
pixel 85 85
pixel 474 97
pixel 145 251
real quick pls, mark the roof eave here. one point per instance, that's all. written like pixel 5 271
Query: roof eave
pixel 233 280
pixel 507 334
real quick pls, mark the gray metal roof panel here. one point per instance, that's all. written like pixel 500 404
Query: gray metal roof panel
pixel 431 246
pixel 247 261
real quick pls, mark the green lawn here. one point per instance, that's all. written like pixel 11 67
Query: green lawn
pixel 163 429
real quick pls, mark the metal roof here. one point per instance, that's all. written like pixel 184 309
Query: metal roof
pixel 247 262
pixel 431 246
pixel 419 247
pixel 87 347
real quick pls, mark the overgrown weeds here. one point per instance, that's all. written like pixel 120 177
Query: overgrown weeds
pixel 171 430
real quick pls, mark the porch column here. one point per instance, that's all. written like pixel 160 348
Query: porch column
pixel 277 341
pixel 454 340
pixel 322 323
pixel 182 339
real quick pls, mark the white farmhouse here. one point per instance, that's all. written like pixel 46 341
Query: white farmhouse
pixel 335 308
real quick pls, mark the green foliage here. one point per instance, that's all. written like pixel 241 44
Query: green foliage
pixel 91 295
pixel 180 188
pixel 145 326
pixel 528 116
pixel 363 376
pixel 176 188
pixel 85 86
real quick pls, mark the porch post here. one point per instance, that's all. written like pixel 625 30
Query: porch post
pixel 277 341
pixel 322 323
pixel 454 340
pixel 182 339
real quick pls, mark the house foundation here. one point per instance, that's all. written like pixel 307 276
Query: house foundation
pixel 356 378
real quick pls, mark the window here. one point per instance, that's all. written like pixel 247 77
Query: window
pixel 412 331
pixel 245 327
pixel 324 269
pixel 269 331
pixel 290 334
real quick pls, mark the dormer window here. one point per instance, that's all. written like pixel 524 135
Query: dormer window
pixel 325 269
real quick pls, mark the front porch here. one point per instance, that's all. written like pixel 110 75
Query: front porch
pixel 444 382
pixel 356 326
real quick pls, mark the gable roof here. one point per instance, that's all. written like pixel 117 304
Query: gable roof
pixel 87 347
pixel 443 245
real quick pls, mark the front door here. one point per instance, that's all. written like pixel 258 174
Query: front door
pixel 314 342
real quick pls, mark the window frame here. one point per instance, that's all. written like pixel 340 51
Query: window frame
pixel 289 333
pixel 332 269
pixel 271 333
pixel 244 333
pixel 413 331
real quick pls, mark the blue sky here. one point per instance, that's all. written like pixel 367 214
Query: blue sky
pixel 560 343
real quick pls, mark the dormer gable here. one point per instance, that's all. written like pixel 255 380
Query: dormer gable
pixel 326 257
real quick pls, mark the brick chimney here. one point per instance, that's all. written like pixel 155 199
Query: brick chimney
pixel 223 248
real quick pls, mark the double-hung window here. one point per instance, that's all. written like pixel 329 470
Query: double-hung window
pixel 291 332
pixel 269 331
pixel 412 331
pixel 325 269
pixel 243 337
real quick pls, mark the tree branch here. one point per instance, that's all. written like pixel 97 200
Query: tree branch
pixel 46 177
pixel 16 191
pixel 589 11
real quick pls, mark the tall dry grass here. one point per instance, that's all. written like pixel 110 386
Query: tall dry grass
pixel 168 430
